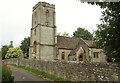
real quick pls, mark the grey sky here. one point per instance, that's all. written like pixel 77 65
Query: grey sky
pixel 15 18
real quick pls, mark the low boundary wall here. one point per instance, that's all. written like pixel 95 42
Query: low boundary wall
pixel 74 71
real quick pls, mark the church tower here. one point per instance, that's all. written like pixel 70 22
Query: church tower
pixel 43 32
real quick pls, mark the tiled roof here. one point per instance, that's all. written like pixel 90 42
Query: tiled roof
pixel 89 42
pixel 67 42
pixel 71 42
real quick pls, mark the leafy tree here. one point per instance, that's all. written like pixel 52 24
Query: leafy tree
pixel 107 35
pixel 4 50
pixel 83 33
pixel 25 46
pixel 13 53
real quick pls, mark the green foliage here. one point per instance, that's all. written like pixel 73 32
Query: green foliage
pixel 6 74
pixel 100 35
pixel 108 34
pixel 83 33
pixel 13 53
pixel 4 50
pixel 25 46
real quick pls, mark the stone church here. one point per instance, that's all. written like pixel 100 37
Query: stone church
pixel 46 45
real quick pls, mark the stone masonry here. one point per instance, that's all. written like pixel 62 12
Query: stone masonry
pixel 75 71
pixel 42 39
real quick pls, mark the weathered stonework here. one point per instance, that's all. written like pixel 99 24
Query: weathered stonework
pixel 76 71
pixel 46 45
pixel 42 39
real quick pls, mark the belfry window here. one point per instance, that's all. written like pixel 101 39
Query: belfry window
pixel 47 17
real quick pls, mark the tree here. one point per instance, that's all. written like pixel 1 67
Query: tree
pixel 107 35
pixel 13 53
pixel 4 50
pixel 83 33
pixel 25 46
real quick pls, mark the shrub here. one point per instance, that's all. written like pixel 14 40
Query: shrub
pixel 6 73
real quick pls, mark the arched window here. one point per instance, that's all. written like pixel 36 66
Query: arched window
pixel 63 55
pixel 35 47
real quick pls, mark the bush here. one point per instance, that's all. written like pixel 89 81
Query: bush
pixel 6 74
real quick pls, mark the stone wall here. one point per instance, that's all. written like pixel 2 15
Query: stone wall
pixel 75 71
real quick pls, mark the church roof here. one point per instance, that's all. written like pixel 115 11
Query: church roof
pixel 67 42
pixel 71 42
pixel 89 43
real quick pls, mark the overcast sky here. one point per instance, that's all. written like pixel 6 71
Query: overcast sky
pixel 15 18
